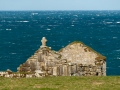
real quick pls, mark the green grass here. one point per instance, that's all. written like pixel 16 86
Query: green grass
pixel 61 83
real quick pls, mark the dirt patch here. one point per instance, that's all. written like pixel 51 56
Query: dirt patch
pixel 97 83
pixel 37 86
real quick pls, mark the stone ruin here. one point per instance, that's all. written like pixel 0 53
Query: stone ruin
pixel 76 59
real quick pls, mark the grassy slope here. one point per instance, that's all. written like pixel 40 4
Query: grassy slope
pixel 61 83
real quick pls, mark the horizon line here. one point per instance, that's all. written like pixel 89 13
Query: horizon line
pixel 59 10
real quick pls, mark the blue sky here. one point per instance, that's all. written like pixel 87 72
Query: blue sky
pixel 59 4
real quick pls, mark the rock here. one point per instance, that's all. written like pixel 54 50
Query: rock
pixel 55 71
pixel 9 71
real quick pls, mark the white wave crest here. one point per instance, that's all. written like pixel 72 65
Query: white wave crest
pixel 48 29
pixel 8 29
pixel 72 25
pixel 34 13
pixel 22 21
pixel 109 22
pixel 118 22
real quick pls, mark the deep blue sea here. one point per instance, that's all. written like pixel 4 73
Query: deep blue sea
pixel 21 33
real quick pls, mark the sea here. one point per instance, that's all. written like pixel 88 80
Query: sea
pixel 21 33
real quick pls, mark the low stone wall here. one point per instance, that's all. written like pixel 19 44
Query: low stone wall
pixel 66 69
pixel 19 75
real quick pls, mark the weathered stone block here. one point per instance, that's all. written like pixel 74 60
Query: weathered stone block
pixel 65 70
pixel 60 70
pixel 81 73
pixel 69 70
pixel 73 69
pixel 50 72
pixel 81 69
pixel 90 69
pixel 98 70
pixel 94 68
pixel 40 57
pixel 50 64
pixel 55 71
pixel 99 74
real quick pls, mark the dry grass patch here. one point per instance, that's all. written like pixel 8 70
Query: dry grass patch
pixel 97 83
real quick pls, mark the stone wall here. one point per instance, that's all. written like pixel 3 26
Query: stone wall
pixel 76 59
pixel 73 69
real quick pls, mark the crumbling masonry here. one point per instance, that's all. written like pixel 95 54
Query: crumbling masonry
pixel 76 59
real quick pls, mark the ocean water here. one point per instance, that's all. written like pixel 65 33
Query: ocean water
pixel 21 33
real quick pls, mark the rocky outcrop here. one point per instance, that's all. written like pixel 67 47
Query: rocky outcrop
pixel 75 59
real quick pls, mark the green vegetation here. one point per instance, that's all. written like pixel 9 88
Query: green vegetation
pixel 61 83
pixel 71 44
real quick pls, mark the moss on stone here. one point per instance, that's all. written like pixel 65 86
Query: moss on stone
pixel 75 42
pixel 100 57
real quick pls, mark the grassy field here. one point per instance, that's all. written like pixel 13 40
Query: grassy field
pixel 61 83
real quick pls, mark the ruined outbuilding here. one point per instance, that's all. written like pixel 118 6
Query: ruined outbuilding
pixel 76 59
